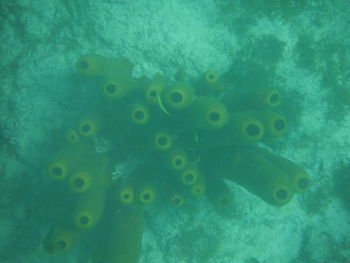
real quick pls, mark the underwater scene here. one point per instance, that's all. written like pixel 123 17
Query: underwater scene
pixel 175 131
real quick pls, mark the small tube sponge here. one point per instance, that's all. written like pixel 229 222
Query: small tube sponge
pixel 61 237
pixel 177 199
pixel 125 236
pixel 88 174
pixel 154 89
pixel 89 126
pixel 245 128
pixel 116 89
pixel 90 207
pixel 189 175
pixel 212 83
pixel 93 65
pixel 72 136
pixel 125 193
pixel 260 177
pixel 199 187
pixel 265 98
pixel 177 159
pixel 62 164
pixel 275 124
pixel 162 141
pixel 146 193
pixel 139 114
pixel 208 113
pixel 218 193
pixel 178 96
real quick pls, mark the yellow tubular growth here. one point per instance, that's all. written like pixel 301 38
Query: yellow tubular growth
pixel 177 159
pixel 125 241
pixel 212 82
pixel 244 128
pixel 155 88
pixel 275 124
pixel 177 199
pixel 125 193
pixel 90 207
pixel 218 193
pixel 162 141
pixel 118 80
pixel 62 164
pixel 88 174
pixel 139 114
pixel 208 113
pixel 189 175
pixel 265 98
pixel 90 125
pixel 61 237
pixel 93 65
pixel 116 89
pixel 72 136
pixel 146 193
pixel 300 179
pixel 178 96
pixel 198 188
pixel 260 177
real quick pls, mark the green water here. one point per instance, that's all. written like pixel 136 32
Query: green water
pixel 212 131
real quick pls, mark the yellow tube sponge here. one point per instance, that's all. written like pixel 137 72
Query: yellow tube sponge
pixel 208 113
pixel 139 114
pixel 125 241
pixel 154 89
pixel 177 199
pixel 265 98
pixel 90 125
pixel 146 193
pixel 72 136
pixel 189 175
pixel 274 123
pixel 198 188
pixel 90 207
pixel 93 65
pixel 300 179
pixel 63 163
pixel 260 177
pixel 177 159
pixel 162 141
pixel 61 237
pixel 178 96
pixel 211 82
pixel 125 193
pixel 218 193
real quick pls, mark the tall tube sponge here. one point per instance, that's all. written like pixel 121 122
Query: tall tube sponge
pixel 88 174
pixel 218 193
pixel 154 89
pixel 211 84
pixel 126 233
pixel 300 179
pixel 117 80
pixel 91 204
pixel 178 96
pixel 207 113
pixel 260 177
pixel 261 98
pixel 64 162
pixel 275 124
pixel 243 128
pixel 62 236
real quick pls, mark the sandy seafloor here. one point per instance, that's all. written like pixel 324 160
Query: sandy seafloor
pixel 39 44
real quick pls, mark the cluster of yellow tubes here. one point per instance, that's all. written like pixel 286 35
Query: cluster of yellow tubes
pixel 190 141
